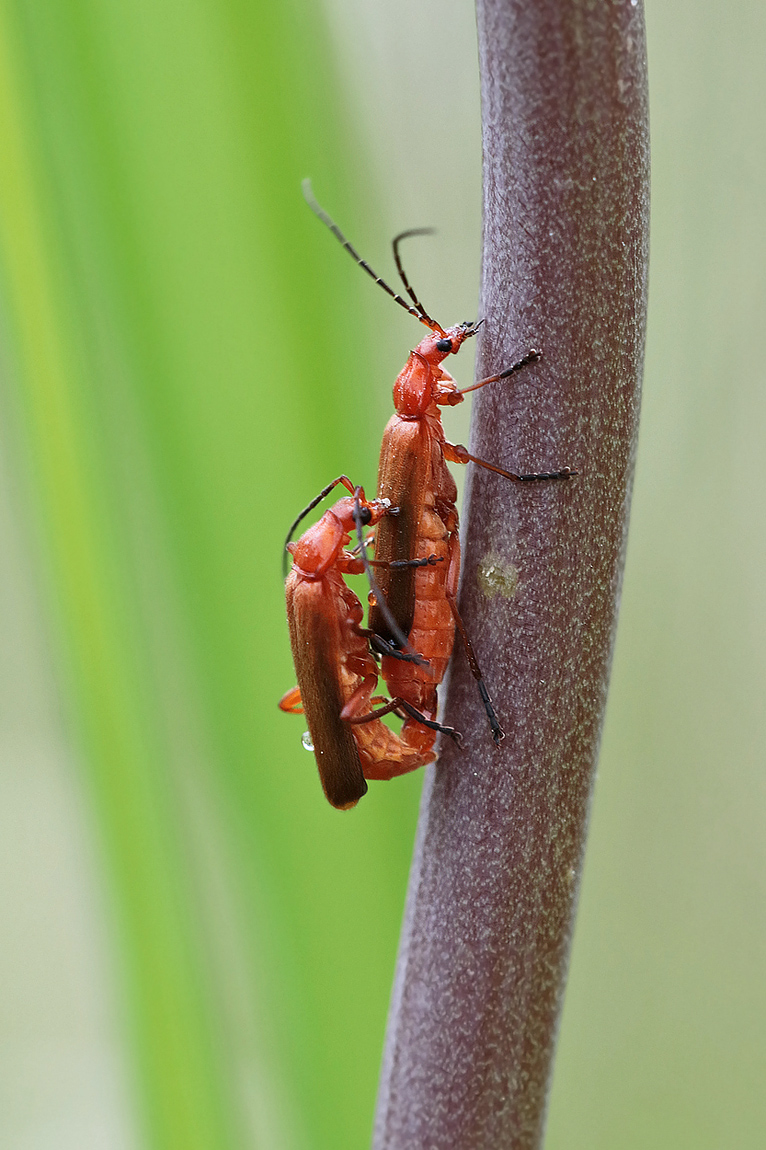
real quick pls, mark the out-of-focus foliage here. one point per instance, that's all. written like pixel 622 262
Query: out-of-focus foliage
pixel 201 950
pixel 183 369
pixel 664 1034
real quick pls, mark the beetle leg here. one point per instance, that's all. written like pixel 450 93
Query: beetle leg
pixel 532 356
pixel 360 698
pixel 456 453
pixel 396 706
pixel 350 563
pixel 291 702
pixel 446 390
pixel 414 713
pixel 387 708
pixel 398 564
pixel 382 646
pixel 450 591
pixel 498 734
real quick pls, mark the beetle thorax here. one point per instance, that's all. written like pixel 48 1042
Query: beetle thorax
pixel 414 386
pixel 319 547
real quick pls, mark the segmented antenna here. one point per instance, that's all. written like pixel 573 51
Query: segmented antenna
pixel 402 276
pixel 321 214
pixel 410 653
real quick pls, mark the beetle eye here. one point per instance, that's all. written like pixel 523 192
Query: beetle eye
pixel 444 345
pixel 365 516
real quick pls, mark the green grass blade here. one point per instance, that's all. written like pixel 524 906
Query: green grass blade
pixel 190 371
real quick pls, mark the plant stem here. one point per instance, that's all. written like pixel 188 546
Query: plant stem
pixel 493 889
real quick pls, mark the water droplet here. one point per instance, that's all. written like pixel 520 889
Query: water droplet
pixel 306 741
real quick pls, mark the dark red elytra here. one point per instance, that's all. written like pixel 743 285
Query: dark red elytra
pixel 336 672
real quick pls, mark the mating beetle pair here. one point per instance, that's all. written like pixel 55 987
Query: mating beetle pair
pixel 414 615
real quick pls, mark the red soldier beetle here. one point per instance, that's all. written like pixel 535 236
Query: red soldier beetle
pixel 414 477
pixel 336 672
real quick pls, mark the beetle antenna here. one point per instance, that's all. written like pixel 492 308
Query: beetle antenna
pixel 321 214
pixel 383 607
pixel 402 275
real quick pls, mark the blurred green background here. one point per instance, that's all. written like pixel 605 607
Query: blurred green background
pixel 196 950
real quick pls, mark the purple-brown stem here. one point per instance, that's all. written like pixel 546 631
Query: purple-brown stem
pixel 494 883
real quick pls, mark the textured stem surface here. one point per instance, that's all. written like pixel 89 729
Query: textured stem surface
pixel 490 909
